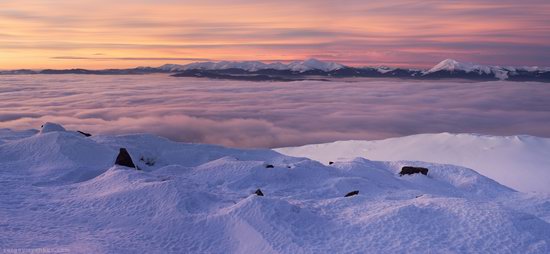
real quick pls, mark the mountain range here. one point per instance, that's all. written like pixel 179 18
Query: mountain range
pixel 319 70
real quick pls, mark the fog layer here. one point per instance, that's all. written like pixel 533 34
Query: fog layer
pixel 272 114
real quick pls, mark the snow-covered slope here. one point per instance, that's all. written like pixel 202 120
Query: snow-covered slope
pixel 453 65
pixel 450 65
pixel 299 66
pixel 520 162
pixel 60 190
pixel 502 73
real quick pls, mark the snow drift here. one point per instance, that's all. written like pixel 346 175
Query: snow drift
pixel 61 190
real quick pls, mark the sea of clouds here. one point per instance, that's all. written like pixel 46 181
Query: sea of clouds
pixel 272 114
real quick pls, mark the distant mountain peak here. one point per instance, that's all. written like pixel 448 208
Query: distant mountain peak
pixel 452 65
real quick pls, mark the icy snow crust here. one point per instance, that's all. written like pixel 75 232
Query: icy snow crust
pixel 60 189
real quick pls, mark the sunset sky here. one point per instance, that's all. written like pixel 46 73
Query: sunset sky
pixel 128 33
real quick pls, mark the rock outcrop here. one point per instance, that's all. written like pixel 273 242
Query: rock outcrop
pixel 124 159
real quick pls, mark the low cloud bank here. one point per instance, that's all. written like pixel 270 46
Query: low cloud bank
pixel 272 114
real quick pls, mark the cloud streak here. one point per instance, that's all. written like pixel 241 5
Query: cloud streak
pixel 272 114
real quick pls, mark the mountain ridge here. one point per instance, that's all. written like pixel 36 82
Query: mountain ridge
pixel 316 69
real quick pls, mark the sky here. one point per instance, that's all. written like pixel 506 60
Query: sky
pixel 272 114
pixel 98 34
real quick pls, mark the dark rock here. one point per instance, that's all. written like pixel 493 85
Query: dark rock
pixel 408 170
pixel 269 166
pixel 353 193
pixel 84 133
pixel 330 162
pixel 259 192
pixel 124 159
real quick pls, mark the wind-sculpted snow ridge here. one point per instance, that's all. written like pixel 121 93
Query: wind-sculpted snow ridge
pixel 60 190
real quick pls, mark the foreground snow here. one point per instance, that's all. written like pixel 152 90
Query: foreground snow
pixel 60 190
pixel 520 162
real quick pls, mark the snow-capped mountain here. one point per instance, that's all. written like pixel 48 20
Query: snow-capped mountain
pixel 223 65
pixel 314 64
pixel 299 66
pixel 450 67
pixel 62 191
pixel 453 66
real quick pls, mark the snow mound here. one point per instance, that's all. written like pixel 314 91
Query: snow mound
pixel 520 162
pixel 193 198
pixel 51 127
pixel 57 157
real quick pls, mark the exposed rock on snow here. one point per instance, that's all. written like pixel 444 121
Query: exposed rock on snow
pixel 124 159
pixel 353 193
pixel 408 170
pixel 148 160
pixel 84 133
pixel 259 192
